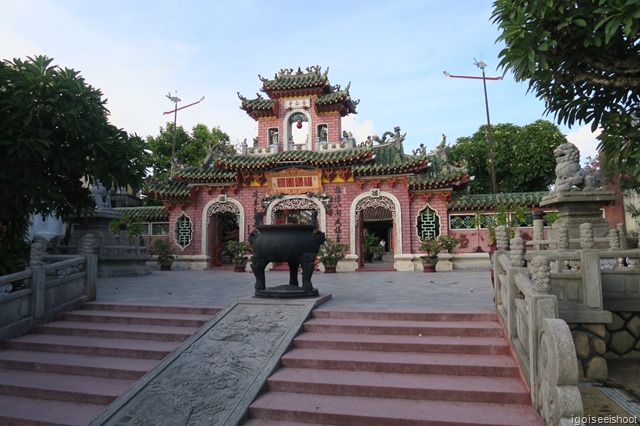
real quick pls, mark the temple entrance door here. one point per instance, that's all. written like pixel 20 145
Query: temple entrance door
pixel 222 227
pixel 214 241
pixel 378 221
pixel 360 243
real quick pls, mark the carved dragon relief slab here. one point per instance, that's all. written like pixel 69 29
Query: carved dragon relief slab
pixel 213 376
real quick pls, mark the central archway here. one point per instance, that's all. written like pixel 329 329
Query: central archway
pixel 297 203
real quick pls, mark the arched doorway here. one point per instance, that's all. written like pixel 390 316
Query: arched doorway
pixel 298 126
pixel 376 213
pixel 223 222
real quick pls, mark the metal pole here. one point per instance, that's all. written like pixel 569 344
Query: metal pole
pixel 494 182
pixel 492 165
pixel 173 144
pixel 175 100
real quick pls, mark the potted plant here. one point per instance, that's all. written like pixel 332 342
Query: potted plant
pixel 164 250
pixel 432 247
pixel 372 247
pixel 448 243
pixel 239 251
pixel 330 253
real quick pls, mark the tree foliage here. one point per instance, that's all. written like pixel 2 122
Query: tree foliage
pixel 191 149
pixel 524 159
pixel 583 59
pixel 54 139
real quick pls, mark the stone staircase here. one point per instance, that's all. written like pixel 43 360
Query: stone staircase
pixel 383 368
pixel 68 371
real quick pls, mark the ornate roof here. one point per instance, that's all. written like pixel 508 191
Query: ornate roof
pixel 339 158
pixel 493 201
pixel 423 171
pixel 207 173
pixel 259 107
pixel 390 160
pixel 172 190
pixel 437 181
pixel 287 83
pixel 145 213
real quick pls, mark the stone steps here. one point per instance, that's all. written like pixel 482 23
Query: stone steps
pixel 400 368
pixel 68 371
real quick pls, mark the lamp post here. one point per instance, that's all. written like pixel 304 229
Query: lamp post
pixel 175 100
pixel 482 65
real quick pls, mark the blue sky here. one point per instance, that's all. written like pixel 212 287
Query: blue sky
pixel 393 53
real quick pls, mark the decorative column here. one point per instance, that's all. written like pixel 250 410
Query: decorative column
pixel 538 229
pixel 502 238
pixel 517 250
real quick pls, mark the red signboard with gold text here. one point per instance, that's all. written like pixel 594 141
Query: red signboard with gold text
pixel 294 181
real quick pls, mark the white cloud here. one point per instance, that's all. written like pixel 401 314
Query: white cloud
pixel 360 130
pixel 586 141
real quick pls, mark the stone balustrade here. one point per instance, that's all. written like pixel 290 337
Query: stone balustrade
pixel 260 150
pixel 542 342
pixel 50 285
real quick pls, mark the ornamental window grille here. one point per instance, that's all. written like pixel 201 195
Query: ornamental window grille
pixel 428 223
pixel 489 221
pixel 549 218
pixel 183 231
pixel 526 223
pixel 160 228
pixel 298 117
pixel 461 221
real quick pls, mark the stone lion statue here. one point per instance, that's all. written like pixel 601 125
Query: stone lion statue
pixel 569 174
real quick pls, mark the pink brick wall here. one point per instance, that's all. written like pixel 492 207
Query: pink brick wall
pixel 332 120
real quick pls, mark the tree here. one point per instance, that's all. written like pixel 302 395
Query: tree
pixel 524 159
pixel 191 149
pixel 583 59
pixel 55 138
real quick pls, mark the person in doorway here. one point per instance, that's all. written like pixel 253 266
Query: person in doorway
pixel 382 244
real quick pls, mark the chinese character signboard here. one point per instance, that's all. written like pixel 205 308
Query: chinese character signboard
pixel 294 181
pixel 297 103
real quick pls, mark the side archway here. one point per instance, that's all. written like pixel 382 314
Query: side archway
pixel 222 204
pixel 374 199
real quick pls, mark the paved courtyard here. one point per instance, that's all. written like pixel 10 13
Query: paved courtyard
pixel 455 290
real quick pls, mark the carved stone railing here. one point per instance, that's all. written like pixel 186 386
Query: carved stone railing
pixel 542 342
pixel 595 278
pixel 50 285
pixel 260 150
pixel 335 146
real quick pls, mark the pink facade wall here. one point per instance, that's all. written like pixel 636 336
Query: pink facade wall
pixel 332 120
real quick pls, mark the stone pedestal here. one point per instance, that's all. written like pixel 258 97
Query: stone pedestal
pixel 98 226
pixel 121 263
pixel 578 207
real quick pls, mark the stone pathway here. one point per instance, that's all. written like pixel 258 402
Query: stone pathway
pixel 216 373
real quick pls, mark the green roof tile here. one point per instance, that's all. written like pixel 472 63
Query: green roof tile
pixel 287 79
pixel 170 190
pixel 493 201
pixel 438 180
pixel 145 213
pixel 206 173
pixel 248 163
